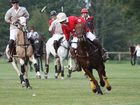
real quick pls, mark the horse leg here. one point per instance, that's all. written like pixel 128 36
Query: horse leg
pixel 69 67
pixel 41 64
pixel 24 80
pixel 57 67
pixel 30 65
pixel 20 73
pixel 14 63
pixel 38 75
pixel 38 61
pixel 93 82
pixel 62 67
pixel 26 77
pixel 103 78
pixel 46 65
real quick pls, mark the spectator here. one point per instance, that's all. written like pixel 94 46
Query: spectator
pixel 137 50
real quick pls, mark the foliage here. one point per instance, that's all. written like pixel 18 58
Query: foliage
pixel 117 22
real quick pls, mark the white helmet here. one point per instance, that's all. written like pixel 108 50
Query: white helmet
pixel 61 17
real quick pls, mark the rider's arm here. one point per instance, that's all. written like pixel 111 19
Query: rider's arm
pixel 26 14
pixel 8 17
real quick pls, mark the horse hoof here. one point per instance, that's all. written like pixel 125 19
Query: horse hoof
pixel 45 76
pixel 68 76
pixel 62 78
pixel 56 77
pixel 38 75
pixel 23 84
pixel 102 83
pixel 109 88
pixel 29 87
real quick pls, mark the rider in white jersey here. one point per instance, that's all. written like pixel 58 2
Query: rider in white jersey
pixel 11 17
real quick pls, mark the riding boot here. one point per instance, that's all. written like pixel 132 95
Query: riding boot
pixel 96 42
pixel 105 55
pixel 77 65
pixel 56 46
pixel 11 50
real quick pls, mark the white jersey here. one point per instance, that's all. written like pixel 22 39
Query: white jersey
pixel 33 35
pixel 138 51
pixel 56 27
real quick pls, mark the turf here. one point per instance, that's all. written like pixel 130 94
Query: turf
pixel 124 78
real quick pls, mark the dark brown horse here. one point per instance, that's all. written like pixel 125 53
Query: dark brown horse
pixel 132 55
pixel 89 58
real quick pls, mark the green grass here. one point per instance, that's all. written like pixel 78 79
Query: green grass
pixel 124 78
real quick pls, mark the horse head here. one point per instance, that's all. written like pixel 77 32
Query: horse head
pixel 21 23
pixel 80 30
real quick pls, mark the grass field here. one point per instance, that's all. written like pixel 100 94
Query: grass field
pixel 124 78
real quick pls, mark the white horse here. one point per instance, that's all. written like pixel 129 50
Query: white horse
pixel 62 53
pixel 24 52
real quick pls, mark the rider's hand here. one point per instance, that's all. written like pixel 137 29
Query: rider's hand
pixel 14 22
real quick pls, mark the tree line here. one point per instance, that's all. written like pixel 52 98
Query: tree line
pixel 117 22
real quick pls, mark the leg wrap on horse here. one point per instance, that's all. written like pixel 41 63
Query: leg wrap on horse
pixel 77 65
pixel 21 78
pixel 47 68
pixel 22 69
pixel 36 67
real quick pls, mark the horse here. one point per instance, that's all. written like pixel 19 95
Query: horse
pixel 39 47
pixel 24 53
pixel 132 55
pixel 89 58
pixel 62 53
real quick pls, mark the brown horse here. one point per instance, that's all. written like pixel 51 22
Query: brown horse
pixel 89 58
pixel 132 55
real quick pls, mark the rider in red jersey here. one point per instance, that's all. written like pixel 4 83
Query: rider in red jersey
pixel 68 27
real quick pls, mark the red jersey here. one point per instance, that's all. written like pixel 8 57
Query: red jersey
pixel 50 22
pixel 69 27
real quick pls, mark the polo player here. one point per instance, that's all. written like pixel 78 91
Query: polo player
pixel 68 26
pixel 11 17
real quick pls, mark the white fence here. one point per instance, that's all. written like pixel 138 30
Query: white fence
pixel 119 54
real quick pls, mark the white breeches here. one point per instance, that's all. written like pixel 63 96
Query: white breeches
pixel 89 35
pixel 57 36
pixel 74 42
pixel 13 34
